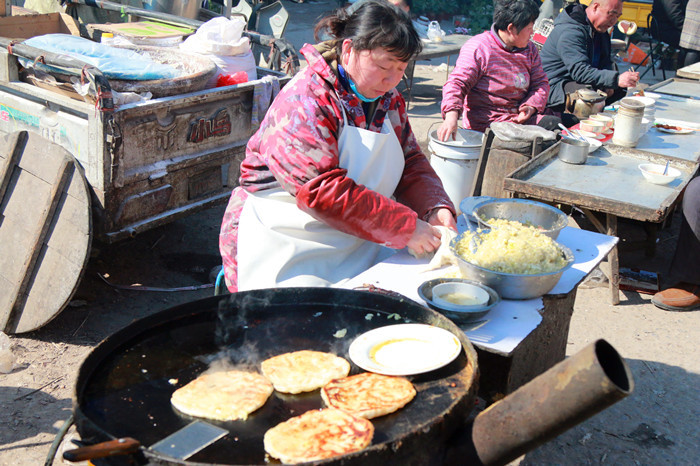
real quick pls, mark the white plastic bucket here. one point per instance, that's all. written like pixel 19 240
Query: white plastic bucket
pixel 455 162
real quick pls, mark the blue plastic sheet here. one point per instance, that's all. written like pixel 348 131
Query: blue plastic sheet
pixel 114 62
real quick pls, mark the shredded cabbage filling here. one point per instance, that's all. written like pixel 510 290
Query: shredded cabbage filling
pixel 512 247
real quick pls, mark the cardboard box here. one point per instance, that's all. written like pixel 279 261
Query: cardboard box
pixel 26 26
pixel 637 55
pixel 143 30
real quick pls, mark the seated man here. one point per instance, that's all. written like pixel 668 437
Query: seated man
pixel 684 271
pixel 498 75
pixel 577 53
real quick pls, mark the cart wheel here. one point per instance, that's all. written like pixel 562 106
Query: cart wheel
pixel 45 230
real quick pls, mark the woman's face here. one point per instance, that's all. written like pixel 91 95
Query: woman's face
pixel 520 39
pixel 374 72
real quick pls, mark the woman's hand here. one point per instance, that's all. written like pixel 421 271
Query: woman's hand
pixel 424 239
pixel 443 217
pixel 448 128
pixel 526 112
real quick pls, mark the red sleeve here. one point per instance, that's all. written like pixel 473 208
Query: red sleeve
pixel 336 200
pixel 419 188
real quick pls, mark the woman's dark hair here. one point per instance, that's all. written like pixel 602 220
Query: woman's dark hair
pixel 519 12
pixel 374 24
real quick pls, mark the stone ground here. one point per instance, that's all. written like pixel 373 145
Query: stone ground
pixel 656 424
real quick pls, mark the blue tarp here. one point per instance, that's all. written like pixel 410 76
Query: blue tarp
pixel 114 62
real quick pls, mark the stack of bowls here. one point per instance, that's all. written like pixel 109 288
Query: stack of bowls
pixel 591 128
pixel 607 120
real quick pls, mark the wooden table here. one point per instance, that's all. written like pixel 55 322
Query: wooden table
pixel 450 45
pixel 609 183
pixel 690 71
pixel 517 340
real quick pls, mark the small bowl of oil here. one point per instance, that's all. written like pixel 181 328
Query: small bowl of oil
pixel 459 299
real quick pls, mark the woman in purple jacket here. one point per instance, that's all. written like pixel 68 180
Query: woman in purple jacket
pixel 498 75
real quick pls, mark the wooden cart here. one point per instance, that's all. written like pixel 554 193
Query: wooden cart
pixel 145 164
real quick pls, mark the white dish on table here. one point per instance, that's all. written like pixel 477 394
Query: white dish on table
pixel 588 134
pixel 654 173
pixel 593 143
pixel 460 295
pixel 674 130
pixel 404 349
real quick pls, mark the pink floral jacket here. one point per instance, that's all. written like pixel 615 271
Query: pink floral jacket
pixel 490 83
pixel 296 148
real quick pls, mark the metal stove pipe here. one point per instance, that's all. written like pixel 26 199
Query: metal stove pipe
pixel 562 397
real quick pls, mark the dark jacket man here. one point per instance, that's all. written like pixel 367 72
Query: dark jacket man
pixel 578 51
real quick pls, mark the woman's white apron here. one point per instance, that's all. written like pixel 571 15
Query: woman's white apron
pixel 279 245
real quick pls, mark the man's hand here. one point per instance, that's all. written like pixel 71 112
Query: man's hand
pixel 448 128
pixel 526 111
pixel 628 79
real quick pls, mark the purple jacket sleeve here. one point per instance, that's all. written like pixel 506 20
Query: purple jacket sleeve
pixel 539 85
pixel 467 71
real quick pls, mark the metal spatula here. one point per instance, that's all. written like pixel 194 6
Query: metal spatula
pixel 189 440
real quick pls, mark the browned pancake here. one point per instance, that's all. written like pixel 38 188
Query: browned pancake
pixel 368 395
pixel 223 395
pixel 317 435
pixel 303 371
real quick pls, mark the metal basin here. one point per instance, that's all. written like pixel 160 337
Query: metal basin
pixel 548 219
pixel 512 285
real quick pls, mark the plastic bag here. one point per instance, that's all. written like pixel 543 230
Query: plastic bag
pixel 435 33
pixel 113 62
pixel 509 131
pixel 229 65
pixel 232 79
pixel 43 6
pixel 218 36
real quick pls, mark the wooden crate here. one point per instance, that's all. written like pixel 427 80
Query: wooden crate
pixel 26 26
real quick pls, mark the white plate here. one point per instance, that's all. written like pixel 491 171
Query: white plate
pixel 674 131
pixel 404 349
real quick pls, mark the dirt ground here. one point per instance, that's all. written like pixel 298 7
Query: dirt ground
pixel 656 424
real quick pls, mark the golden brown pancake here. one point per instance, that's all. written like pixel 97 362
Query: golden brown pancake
pixel 303 371
pixel 317 435
pixel 223 395
pixel 368 395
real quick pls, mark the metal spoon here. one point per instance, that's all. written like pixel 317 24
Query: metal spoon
pixel 580 136
pixel 473 244
pixel 666 168
pixel 571 133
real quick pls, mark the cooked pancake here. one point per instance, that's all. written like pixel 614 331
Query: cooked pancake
pixel 224 395
pixel 303 371
pixel 368 395
pixel 317 435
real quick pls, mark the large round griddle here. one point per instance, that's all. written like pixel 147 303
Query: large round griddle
pixel 124 386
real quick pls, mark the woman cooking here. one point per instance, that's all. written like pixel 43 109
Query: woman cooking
pixel 334 173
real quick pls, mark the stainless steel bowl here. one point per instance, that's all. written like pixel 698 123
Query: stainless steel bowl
pixel 512 285
pixel 457 313
pixel 549 219
pixel 573 151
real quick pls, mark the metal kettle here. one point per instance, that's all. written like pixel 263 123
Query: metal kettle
pixel 588 102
